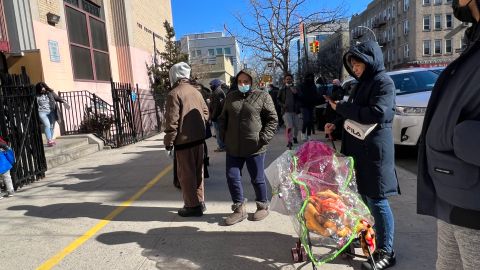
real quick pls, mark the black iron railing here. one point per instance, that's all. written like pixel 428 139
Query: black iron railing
pixel 88 114
pixel 20 126
pixel 132 117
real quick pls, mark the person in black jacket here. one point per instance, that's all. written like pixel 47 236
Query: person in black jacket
pixel 216 106
pixel 448 185
pixel 308 100
pixel 372 104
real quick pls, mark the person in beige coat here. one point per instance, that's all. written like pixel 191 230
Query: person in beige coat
pixel 186 114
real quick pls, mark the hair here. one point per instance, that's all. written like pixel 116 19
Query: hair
pixel 40 85
pixel 287 75
pixel 353 57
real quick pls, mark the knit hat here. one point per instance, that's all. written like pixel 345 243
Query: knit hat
pixel 216 83
pixel 179 71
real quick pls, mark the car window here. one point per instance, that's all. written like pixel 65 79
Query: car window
pixel 414 82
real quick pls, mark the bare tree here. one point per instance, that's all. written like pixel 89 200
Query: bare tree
pixel 276 24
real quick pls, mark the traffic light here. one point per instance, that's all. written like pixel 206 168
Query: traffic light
pixel 316 46
pixel 312 47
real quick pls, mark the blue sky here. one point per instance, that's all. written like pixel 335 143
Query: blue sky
pixel 194 16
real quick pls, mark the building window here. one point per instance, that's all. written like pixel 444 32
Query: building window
pixel 88 42
pixel 426 2
pixel 449 21
pixel 405 27
pixel 211 52
pixel 427 47
pixel 438 22
pixel 219 51
pixel 449 1
pixel 192 53
pixel 406 5
pixel 394 11
pixel 448 46
pixel 199 53
pixel 227 50
pixel 426 23
pixel 437 2
pixel 438 46
pixel 406 51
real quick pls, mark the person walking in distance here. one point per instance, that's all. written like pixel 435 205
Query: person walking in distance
pixel 216 106
pixel 308 100
pixel 186 115
pixel 247 124
pixel 448 184
pixel 290 105
pixel 371 109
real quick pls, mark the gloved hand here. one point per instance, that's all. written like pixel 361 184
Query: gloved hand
pixel 66 106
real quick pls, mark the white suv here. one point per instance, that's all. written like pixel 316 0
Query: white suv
pixel 413 89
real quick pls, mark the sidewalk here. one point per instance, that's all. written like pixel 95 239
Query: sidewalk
pixel 47 216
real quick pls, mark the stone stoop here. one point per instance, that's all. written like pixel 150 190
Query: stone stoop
pixel 69 148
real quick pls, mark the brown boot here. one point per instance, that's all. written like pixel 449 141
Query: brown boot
pixel 262 211
pixel 239 214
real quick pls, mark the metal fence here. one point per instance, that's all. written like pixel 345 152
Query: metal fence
pixel 132 117
pixel 20 126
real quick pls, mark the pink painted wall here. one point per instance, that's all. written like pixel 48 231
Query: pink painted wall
pixel 58 75
pixel 139 60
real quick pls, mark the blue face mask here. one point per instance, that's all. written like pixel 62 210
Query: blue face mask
pixel 244 88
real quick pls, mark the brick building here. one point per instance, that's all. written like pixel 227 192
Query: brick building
pixel 82 44
pixel 421 33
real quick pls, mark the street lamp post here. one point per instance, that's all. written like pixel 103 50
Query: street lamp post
pixel 371 31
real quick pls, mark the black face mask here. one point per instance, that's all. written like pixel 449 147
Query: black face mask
pixel 463 13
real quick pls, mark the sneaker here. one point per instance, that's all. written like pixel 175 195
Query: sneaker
pixel 191 211
pixel 383 260
pixel 50 143
pixel 9 194
pixel 295 140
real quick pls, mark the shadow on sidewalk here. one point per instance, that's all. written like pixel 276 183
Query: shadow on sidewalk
pixel 100 211
pixel 189 248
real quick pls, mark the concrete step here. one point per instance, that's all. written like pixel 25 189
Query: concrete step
pixel 71 154
pixel 64 145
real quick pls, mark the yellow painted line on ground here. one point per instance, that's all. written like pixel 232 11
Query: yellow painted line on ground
pixel 82 239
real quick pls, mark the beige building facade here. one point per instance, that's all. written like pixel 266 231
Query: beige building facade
pixel 222 68
pixel 83 44
pixel 422 33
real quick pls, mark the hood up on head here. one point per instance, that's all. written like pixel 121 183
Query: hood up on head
pixel 179 71
pixel 370 54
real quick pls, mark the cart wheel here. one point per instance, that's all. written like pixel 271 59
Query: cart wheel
pixel 295 256
pixel 303 254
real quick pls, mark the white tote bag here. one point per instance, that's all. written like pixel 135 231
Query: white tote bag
pixel 358 130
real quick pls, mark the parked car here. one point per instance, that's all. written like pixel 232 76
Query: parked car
pixel 437 70
pixel 413 89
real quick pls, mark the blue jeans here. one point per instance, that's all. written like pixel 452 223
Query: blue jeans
pixel 384 222
pixel 255 166
pixel 220 143
pixel 48 121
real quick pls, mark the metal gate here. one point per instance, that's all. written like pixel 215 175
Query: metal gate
pixel 20 126
pixel 133 116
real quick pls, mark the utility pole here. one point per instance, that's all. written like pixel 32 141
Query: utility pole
pixel 154 50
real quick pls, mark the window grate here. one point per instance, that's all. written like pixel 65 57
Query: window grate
pixel 72 2
pixel 91 8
